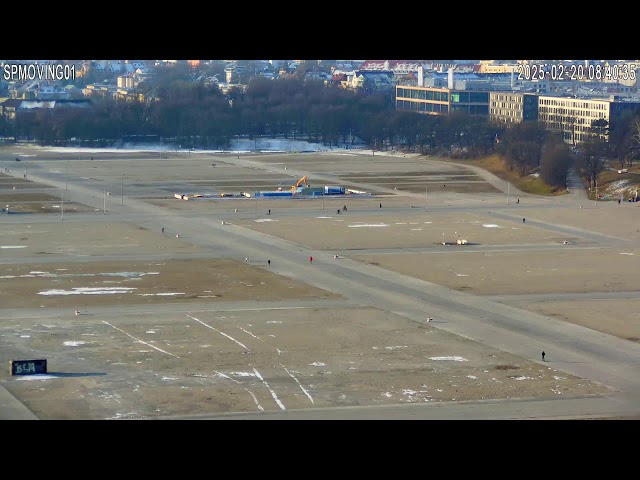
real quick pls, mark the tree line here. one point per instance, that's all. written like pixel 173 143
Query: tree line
pixel 198 115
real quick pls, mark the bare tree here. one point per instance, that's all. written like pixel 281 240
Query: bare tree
pixel 591 159
pixel 621 142
pixel 635 141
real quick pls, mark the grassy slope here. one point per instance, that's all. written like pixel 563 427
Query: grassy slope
pixel 529 183
pixel 611 184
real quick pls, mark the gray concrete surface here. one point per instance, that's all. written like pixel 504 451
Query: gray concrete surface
pixel 577 350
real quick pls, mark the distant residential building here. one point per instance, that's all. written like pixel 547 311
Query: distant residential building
pixel 397 67
pixel 371 82
pixel 102 90
pixel 9 108
pixel 126 81
pixel 319 76
pixel 14 107
pixel 497 66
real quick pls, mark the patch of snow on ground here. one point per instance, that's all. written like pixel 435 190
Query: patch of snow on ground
pixel 455 358
pixel 370 225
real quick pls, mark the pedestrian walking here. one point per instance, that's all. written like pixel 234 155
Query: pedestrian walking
pixel 523 220
pixel 310 259
pixel 543 354
pixel 269 212
pixel 162 229
pixel 269 262
pixel 518 201
pixel 381 205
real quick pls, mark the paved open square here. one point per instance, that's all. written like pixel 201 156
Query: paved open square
pixel 433 287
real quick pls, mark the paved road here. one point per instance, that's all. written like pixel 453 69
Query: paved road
pixel 571 348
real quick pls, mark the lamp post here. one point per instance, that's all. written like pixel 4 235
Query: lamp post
pixel 426 197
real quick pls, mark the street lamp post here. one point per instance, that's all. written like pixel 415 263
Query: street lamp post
pixel 426 197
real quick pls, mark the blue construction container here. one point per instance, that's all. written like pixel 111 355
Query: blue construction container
pixel 274 193
pixel 333 190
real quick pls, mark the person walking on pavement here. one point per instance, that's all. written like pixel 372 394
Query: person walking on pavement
pixel 269 262
pixel 543 354
pixel 162 229
pixel 310 259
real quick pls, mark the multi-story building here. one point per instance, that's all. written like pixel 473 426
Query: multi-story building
pixel 513 107
pixel 439 94
pixel 442 101
pixel 502 101
pixel 573 116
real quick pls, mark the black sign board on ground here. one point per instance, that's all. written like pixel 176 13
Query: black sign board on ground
pixel 28 367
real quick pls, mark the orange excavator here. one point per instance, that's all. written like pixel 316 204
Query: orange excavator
pixel 302 181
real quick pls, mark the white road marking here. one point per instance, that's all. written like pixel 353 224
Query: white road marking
pixel 141 341
pixel 221 333
pixel 273 394
pixel 298 382
pixel 250 392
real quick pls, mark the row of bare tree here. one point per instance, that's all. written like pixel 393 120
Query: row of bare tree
pixel 201 116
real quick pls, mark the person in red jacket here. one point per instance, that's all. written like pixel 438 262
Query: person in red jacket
pixel 310 259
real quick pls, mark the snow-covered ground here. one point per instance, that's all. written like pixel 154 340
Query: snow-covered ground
pixel 236 146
